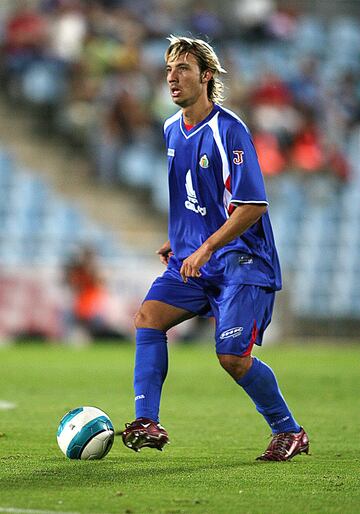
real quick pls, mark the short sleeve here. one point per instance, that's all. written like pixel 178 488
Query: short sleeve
pixel 247 183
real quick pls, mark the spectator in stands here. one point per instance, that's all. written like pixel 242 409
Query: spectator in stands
pixel 253 17
pixel 273 107
pixel 90 297
pixel 271 158
pixel 305 85
pixel 307 152
pixel 282 24
pixel 312 153
pixel 113 100
pixel 205 20
pixel 275 120
pixel 26 33
pixel 68 30
pixel 287 126
pixel 344 105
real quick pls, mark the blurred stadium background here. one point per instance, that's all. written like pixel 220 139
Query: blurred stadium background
pixel 82 167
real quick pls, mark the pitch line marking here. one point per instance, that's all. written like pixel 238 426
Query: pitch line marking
pixel 5 405
pixel 12 510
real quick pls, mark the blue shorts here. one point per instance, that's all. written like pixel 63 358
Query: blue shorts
pixel 242 312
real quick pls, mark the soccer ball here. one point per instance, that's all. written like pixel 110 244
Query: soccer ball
pixel 85 433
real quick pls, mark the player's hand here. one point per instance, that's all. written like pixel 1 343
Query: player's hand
pixel 192 264
pixel 165 253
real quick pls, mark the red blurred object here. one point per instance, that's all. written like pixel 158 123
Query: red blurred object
pixel 26 30
pixel 270 158
pixel 307 153
pixel 339 165
pixel 272 90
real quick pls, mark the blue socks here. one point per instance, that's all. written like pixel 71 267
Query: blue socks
pixel 151 365
pixel 261 385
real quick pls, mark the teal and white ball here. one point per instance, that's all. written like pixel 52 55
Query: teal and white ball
pixel 85 433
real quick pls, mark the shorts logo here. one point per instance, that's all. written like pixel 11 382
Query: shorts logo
pixel 204 161
pixel 231 332
pixel 238 159
pixel 139 397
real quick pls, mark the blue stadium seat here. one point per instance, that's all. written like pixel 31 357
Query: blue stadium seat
pixel 135 164
pixel 153 52
pixel 344 36
pixel 6 168
pixel 159 187
pixel 44 82
pixel 310 36
pixel 37 226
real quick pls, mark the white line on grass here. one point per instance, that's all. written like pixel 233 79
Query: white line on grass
pixel 12 510
pixel 5 405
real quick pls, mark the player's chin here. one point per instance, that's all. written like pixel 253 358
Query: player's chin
pixel 177 101
pixel 181 102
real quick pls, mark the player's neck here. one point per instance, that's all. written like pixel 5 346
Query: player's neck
pixel 195 114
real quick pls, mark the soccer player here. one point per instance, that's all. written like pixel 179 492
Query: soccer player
pixel 221 258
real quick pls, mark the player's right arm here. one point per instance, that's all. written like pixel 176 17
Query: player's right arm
pixel 165 253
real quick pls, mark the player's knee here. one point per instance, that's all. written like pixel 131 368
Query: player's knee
pixel 235 365
pixel 145 319
pixel 142 320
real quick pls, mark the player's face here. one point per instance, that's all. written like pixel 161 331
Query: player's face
pixel 184 79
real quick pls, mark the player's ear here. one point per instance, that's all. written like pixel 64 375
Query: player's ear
pixel 206 76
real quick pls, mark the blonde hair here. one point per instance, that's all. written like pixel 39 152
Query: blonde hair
pixel 206 59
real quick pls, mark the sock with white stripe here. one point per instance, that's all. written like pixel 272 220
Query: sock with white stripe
pixel 151 364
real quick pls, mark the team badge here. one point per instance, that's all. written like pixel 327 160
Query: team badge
pixel 238 159
pixel 204 161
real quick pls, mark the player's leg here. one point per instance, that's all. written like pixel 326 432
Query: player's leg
pixel 160 315
pixel 241 325
pixel 151 360
pixel 168 303
pixel 259 382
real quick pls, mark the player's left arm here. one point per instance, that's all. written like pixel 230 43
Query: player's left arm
pixel 243 217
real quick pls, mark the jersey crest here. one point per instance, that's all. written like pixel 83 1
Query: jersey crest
pixel 204 161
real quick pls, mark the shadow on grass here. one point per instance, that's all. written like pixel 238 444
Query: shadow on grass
pixel 112 471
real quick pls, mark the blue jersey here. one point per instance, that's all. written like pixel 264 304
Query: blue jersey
pixel 213 167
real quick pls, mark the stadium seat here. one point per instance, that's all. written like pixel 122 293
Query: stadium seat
pixel 159 189
pixel 135 164
pixel 37 226
pixel 344 36
pixel 310 35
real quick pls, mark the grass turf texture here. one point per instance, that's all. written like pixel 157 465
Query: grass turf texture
pixel 215 434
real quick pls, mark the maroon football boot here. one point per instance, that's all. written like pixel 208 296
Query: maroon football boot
pixel 285 446
pixel 144 432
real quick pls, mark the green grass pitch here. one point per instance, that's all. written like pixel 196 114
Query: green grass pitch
pixel 215 432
